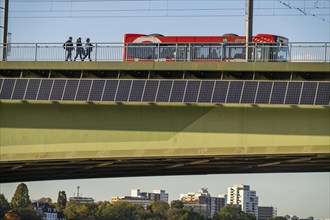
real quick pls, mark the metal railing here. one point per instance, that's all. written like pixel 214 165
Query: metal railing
pixel 294 52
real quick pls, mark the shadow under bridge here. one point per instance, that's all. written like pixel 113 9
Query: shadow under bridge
pixel 67 140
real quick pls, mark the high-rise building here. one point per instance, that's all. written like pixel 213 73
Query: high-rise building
pixel 266 212
pixel 155 195
pixel 202 202
pixel 142 198
pixel 243 196
pixel 131 199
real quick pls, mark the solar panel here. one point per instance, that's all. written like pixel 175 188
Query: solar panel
pixel 192 90
pixel 164 90
pixel 206 90
pixel 110 90
pixel 45 88
pixel 293 93
pixel 1 81
pixel 220 91
pixel 308 93
pixel 57 90
pixel 249 92
pixel 32 89
pixel 188 91
pixel 278 93
pixel 178 91
pixel 137 91
pixel 96 90
pixel 7 88
pixel 323 94
pixel 19 89
pixel 83 90
pixel 123 90
pixel 234 92
pixel 264 91
pixel 70 90
pixel 150 91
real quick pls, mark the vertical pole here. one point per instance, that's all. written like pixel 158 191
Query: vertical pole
pixel 326 50
pixel 249 28
pixel 96 46
pixel 5 29
pixel 36 52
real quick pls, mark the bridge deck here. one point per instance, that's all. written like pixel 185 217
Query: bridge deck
pixel 177 66
pixel 58 139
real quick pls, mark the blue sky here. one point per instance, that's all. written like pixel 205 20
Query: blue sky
pixel 108 20
pixel 53 21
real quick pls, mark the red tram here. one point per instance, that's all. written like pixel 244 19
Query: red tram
pixel 229 47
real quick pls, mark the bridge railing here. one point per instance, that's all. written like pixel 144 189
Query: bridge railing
pixel 294 52
pixel 316 52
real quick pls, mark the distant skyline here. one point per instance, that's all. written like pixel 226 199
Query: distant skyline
pixel 301 194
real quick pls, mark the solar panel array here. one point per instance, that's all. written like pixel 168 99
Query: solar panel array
pixel 185 91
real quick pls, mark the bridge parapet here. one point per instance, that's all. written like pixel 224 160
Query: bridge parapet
pixel 296 52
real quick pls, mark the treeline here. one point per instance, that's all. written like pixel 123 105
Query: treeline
pixel 20 208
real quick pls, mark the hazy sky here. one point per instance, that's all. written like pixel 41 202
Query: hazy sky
pixel 303 194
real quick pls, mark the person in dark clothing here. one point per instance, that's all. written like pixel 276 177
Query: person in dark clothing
pixel 80 50
pixel 88 49
pixel 68 47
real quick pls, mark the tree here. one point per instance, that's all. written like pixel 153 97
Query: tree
pixel 191 215
pixel 176 214
pixel 79 211
pixel 29 214
pixel 21 198
pixel 4 206
pixel 61 201
pixel 124 211
pixel 12 215
pixel 159 209
pixel 278 218
pixel 141 214
pixel 76 211
pixel 103 210
pixel 46 200
pixel 177 204
pixel 232 213
pixel 23 214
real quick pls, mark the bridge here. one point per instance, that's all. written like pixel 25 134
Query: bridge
pixel 66 120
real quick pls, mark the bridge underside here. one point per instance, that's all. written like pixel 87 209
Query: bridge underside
pixel 42 140
pixel 161 166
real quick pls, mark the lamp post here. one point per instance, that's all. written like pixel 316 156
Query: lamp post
pixel 249 28
pixel 5 29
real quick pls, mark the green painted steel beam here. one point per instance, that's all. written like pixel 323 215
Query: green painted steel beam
pixel 319 67
pixel 64 130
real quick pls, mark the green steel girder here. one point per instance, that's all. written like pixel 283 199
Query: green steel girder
pixel 50 130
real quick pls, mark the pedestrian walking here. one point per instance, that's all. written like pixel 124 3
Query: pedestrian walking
pixel 68 47
pixel 88 49
pixel 79 50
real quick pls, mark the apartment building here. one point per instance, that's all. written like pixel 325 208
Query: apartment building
pixel 202 202
pixel 243 196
